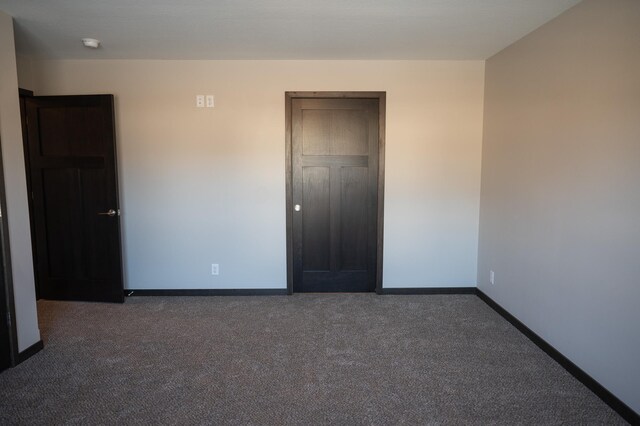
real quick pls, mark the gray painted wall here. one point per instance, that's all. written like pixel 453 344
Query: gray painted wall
pixel 560 197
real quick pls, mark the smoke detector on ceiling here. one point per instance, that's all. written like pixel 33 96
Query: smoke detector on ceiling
pixel 91 43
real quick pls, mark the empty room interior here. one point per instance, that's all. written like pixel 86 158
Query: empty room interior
pixel 320 212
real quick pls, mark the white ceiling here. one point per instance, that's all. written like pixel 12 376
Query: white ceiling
pixel 276 29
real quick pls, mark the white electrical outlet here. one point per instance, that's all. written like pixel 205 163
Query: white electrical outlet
pixel 200 101
pixel 210 101
pixel 215 269
pixel 492 277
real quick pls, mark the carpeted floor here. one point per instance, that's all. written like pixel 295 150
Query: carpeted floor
pixel 349 359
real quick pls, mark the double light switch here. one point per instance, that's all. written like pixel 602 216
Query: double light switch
pixel 202 101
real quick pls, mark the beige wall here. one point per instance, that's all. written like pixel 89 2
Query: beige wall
pixel 560 209
pixel 25 72
pixel 207 185
pixel 17 215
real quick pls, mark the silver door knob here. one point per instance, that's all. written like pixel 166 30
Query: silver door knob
pixel 109 213
pixel 297 207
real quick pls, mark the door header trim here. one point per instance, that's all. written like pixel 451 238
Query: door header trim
pixel 337 95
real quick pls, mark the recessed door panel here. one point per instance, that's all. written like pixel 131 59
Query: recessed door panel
pixel 62 205
pixel 335 132
pixel 65 132
pixel 354 220
pixel 316 223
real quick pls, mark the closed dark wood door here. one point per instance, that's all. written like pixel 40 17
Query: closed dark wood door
pixel 72 162
pixel 334 156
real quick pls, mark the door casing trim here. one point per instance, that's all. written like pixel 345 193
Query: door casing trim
pixel 381 97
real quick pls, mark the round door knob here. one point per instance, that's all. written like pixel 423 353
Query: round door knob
pixel 297 207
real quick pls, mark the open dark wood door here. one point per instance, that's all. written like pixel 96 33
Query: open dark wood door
pixel 8 342
pixel 334 193
pixel 5 337
pixel 73 179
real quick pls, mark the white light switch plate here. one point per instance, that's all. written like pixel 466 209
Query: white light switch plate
pixel 210 101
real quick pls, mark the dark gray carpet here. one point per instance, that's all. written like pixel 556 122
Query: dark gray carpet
pixel 355 359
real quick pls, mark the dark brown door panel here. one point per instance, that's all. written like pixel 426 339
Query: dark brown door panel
pixel 73 179
pixel 334 183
